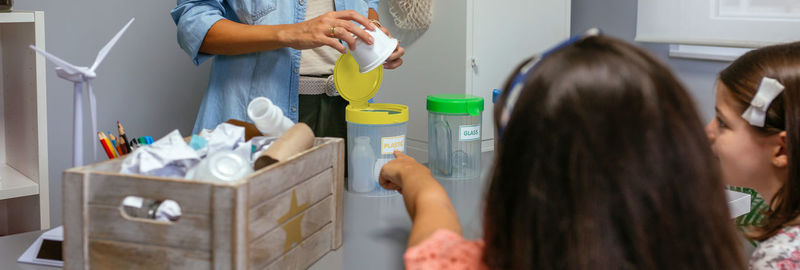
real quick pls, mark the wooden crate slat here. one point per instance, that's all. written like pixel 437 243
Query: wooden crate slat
pixel 190 231
pixel 74 220
pixel 303 256
pixel 272 245
pixel 264 217
pixel 229 227
pixel 279 178
pixel 121 255
pixel 111 189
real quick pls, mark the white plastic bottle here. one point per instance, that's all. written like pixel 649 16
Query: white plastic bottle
pixel 267 117
pixel 363 159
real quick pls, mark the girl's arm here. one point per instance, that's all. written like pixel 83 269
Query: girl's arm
pixel 426 201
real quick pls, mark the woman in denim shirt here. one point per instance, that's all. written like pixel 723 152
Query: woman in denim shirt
pixel 258 43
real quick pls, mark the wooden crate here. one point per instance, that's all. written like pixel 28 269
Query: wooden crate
pixel 285 216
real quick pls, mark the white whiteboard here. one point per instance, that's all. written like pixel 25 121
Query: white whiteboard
pixel 738 23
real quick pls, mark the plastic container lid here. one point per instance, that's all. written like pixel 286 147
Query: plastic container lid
pixel 456 104
pixel 496 93
pixel 354 86
pixel 377 114
pixel 358 88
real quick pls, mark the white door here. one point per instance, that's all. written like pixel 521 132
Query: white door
pixel 506 32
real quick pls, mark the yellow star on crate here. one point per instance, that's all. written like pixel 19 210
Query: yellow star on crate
pixel 293 228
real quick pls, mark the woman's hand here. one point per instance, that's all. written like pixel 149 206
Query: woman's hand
pixel 403 168
pixel 394 60
pixel 327 29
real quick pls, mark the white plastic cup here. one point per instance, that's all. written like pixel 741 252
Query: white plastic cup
pixel 368 56
pixel 267 117
pixel 223 166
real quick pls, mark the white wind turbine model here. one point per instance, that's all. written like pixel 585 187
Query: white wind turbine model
pixel 81 76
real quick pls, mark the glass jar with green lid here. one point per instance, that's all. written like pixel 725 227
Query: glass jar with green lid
pixel 454 135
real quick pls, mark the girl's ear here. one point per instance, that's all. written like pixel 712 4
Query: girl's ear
pixel 780 158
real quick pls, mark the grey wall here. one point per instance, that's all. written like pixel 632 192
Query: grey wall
pixel 618 18
pixel 146 81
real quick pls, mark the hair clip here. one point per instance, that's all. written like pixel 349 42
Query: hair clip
pixel 756 113
pixel 515 88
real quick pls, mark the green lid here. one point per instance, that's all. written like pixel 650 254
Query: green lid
pixel 455 103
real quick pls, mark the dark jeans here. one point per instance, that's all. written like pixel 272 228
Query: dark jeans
pixel 325 115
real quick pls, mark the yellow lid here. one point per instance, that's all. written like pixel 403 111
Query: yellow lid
pixel 377 114
pixel 354 86
pixel 358 88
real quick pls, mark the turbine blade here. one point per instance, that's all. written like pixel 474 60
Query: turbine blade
pixel 104 51
pixel 70 68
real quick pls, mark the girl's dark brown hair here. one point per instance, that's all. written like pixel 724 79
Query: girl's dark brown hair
pixel 742 78
pixel 604 164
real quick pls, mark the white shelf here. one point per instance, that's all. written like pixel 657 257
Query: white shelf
pixel 13 184
pixel 738 203
pixel 24 183
pixel 17 17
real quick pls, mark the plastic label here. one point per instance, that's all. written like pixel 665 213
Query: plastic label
pixel 391 144
pixel 469 133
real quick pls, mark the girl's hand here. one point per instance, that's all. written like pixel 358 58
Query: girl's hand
pixel 396 173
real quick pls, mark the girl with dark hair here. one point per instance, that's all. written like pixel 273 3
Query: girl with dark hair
pixel 601 164
pixel 756 138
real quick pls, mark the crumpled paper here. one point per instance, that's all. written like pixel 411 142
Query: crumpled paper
pixel 169 156
pixel 231 137
pixel 260 144
pixel 168 211
pixel 224 137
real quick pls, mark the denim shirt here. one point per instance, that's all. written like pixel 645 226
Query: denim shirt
pixel 236 79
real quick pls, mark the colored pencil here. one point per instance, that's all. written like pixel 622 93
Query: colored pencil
pixel 115 143
pixel 105 145
pixel 123 137
pixel 110 147
pixel 121 144
pixel 113 139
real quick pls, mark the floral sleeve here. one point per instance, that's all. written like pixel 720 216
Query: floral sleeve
pixel 445 250
pixel 779 252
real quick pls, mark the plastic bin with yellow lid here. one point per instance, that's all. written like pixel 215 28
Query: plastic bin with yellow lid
pixel 374 130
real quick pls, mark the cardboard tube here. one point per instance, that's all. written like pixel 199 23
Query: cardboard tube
pixel 295 140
